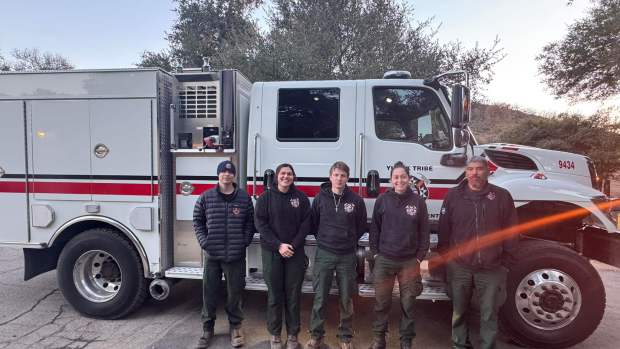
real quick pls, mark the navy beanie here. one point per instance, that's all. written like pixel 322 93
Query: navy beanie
pixel 226 166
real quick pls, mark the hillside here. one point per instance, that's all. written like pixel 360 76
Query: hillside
pixel 489 121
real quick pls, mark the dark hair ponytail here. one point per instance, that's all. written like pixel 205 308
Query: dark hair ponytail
pixel 399 164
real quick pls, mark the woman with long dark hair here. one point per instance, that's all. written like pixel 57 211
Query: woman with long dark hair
pixel 283 220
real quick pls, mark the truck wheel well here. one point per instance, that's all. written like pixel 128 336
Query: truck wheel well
pixel 38 261
pixel 564 232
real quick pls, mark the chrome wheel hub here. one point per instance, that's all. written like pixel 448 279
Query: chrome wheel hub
pixel 97 276
pixel 548 299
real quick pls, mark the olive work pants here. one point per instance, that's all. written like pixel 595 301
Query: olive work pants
pixel 234 276
pixel 490 286
pixel 325 264
pixel 284 278
pixel 407 272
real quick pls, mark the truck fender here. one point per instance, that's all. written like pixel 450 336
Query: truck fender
pixel 38 261
pixel 524 189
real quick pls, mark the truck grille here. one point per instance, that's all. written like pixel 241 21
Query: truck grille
pixel 198 101
pixel 511 160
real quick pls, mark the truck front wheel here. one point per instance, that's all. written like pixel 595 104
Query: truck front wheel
pixel 555 298
pixel 100 274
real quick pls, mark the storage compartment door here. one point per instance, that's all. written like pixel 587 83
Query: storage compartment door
pixel 122 154
pixel 61 149
pixel 13 204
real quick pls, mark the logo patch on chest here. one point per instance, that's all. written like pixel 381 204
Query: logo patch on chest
pixel 236 211
pixel 349 207
pixel 491 196
pixel 294 202
pixel 411 210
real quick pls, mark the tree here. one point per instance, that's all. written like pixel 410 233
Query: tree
pixel 597 137
pixel 161 60
pixel 33 59
pixel 585 65
pixel 220 30
pixel 4 65
pixel 350 39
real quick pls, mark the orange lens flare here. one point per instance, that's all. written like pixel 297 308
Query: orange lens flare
pixel 473 245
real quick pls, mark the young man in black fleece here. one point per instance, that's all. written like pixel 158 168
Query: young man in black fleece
pixel 283 219
pixel 224 225
pixel 399 241
pixel 339 218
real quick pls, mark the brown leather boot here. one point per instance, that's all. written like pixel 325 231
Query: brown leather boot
pixel 205 340
pixel 378 342
pixel 236 337
pixel 292 342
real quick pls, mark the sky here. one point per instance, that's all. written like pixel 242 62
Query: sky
pixel 113 34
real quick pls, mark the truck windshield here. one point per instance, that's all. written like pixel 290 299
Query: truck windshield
pixel 411 115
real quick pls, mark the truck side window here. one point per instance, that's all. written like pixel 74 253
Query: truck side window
pixel 308 115
pixel 411 115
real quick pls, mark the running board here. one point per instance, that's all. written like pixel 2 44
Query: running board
pixel 433 290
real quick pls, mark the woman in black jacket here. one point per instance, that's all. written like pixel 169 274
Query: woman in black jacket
pixel 399 241
pixel 283 219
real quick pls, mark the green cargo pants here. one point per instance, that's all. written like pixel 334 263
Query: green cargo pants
pixel 410 286
pixel 325 264
pixel 490 285
pixel 234 275
pixel 284 278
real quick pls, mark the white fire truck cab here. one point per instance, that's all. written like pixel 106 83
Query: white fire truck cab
pixel 100 170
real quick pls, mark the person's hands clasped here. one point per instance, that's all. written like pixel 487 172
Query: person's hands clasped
pixel 286 250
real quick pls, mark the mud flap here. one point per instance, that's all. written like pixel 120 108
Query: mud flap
pixel 37 261
pixel 600 245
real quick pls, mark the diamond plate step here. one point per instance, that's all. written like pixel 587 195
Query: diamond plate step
pixel 433 290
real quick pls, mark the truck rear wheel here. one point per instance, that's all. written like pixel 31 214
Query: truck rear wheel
pixel 100 274
pixel 555 298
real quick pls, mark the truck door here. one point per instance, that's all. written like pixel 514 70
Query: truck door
pixel 309 124
pixel 60 149
pixel 121 150
pixel 410 124
pixel 14 219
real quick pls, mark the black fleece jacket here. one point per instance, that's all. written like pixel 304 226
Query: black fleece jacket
pixel 283 218
pixel 339 220
pixel 399 228
pixel 467 216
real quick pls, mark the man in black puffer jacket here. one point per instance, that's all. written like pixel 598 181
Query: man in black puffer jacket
pixel 473 213
pixel 224 225
pixel 339 217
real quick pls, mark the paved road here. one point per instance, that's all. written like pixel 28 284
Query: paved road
pixel 34 314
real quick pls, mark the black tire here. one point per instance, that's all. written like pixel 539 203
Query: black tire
pixel 552 262
pixel 132 288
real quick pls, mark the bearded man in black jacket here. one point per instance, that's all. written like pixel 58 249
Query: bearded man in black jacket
pixel 471 213
pixel 283 219
pixel 339 220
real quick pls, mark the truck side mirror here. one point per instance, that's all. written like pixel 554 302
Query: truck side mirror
pixel 373 184
pixel 268 177
pixel 461 137
pixel 461 106
pixel 453 160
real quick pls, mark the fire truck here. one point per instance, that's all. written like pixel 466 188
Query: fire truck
pixel 100 170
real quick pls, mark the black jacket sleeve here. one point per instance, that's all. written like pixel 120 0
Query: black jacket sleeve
pixel 200 221
pixel 375 226
pixel 510 217
pixel 305 226
pixel 445 226
pixel 316 214
pixel 424 231
pixel 362 218
pixel 261 218
pixel 249 227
